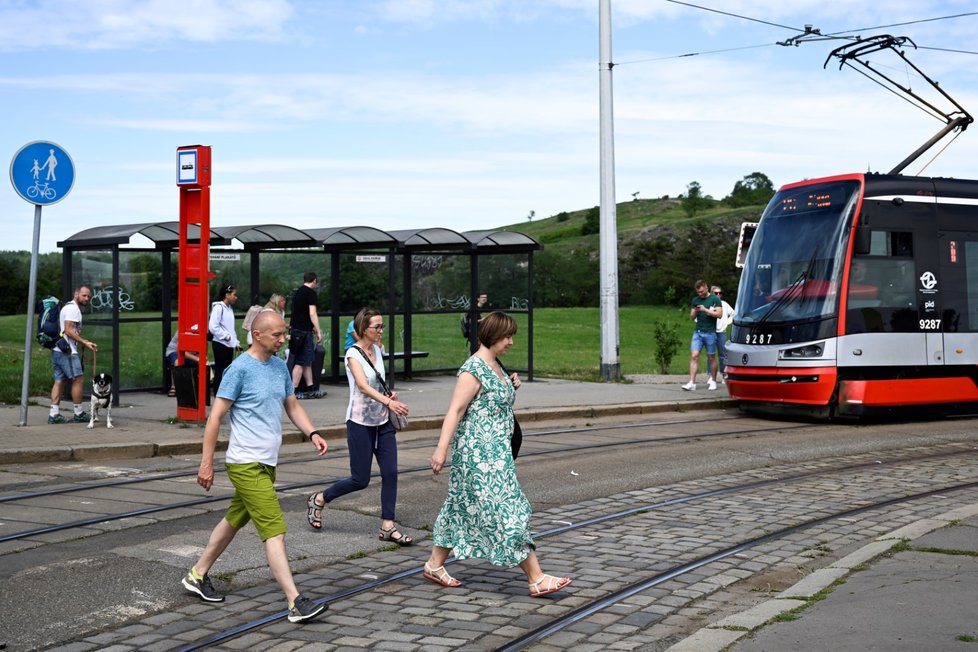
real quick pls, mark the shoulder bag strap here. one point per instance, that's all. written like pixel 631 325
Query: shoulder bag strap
pixel 379 377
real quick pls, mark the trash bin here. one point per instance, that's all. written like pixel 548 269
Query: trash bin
pixel 319 356
pixel 185 381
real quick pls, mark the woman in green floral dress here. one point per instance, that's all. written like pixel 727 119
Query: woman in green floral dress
pixel 485 513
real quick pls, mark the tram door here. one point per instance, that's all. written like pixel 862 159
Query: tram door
pixel 958 251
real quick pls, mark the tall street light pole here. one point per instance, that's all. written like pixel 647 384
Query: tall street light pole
pixel 608 237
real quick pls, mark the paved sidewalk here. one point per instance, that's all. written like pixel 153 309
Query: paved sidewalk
pixel 912 589
pixel 145 424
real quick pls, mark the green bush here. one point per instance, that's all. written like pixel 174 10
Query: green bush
pixel 667 342
pixel 592 221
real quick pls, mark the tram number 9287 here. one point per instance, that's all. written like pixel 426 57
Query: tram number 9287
pixel 930 324
pixel 759 338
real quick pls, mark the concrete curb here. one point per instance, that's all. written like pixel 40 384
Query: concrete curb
pixel 191 445
pixel 720 635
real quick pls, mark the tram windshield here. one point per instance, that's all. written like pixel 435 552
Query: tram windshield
pixel 793 270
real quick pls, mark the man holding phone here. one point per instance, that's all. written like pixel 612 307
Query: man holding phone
pixel 705 309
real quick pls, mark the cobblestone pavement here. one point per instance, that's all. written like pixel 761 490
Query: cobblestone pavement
pixel 493 607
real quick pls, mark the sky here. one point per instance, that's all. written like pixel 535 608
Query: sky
pixel 464 114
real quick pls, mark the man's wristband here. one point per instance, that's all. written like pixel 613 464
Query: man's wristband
pixel 314 432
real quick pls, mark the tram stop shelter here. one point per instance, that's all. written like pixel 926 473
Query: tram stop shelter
pixel 421 280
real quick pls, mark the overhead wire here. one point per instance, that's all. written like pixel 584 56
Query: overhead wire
pixel 816 34
pixel 831 35
pixel 909 22
pixel 695 54
pixel 727 13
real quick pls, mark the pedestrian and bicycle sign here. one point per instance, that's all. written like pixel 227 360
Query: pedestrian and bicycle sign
pixel 42 173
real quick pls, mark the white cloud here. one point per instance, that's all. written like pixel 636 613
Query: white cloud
pixel 120 24
pixel 409 113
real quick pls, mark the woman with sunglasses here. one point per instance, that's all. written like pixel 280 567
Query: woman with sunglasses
pixel 221 327
pixel 369 432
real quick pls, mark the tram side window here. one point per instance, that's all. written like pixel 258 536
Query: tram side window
pixel 891 243
pixel 881 296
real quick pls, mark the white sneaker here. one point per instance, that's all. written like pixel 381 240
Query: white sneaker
pixel 711 385
pixel 690 386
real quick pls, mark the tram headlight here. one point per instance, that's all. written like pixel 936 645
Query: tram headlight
pixel 807 351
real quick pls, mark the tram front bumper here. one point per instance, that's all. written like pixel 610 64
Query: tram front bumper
pixel 800 386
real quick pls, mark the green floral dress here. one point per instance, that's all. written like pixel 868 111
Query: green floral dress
pixel 485 514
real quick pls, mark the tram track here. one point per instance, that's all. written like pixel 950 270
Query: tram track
pixel 622 594
pixel 658 575
pixel 285 461
pixel 101 518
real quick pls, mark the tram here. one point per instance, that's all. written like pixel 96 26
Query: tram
pixel 859 297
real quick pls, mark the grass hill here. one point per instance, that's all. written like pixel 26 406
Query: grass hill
pixel 661 251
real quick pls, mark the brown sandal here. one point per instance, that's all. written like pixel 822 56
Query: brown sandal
pixel 439 576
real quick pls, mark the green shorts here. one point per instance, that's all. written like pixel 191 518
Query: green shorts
pixel 255 499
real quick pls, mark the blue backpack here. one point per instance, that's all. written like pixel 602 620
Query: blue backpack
pixel 49 322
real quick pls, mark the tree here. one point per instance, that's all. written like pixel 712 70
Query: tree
pixel 592 221
pixel 694 201
pixel 753 189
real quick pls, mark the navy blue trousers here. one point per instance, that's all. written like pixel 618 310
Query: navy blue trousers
pixel 365 443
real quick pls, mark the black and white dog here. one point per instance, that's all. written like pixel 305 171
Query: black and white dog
pixel 101 398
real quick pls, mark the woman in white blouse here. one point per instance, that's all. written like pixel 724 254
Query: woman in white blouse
pixel 369 432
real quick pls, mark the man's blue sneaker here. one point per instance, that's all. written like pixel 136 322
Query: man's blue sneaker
pixel 57 418
pixel 301 395
pixel 82 417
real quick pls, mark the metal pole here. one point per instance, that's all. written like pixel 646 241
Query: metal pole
pixel 608 237
pixel 31 298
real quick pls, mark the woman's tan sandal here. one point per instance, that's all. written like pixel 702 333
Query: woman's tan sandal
pixel 312 507
pixel 548 584
pixel 400 539
pixel 439 576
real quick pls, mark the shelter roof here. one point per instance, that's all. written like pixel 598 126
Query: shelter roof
pixel 434 239
pixel 166 235
pixel 352 237
pixel 267 236
pixel 506 240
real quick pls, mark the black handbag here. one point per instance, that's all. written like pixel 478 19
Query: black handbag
pixel 517 439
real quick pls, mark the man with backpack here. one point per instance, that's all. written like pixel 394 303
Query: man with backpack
pixel 65 360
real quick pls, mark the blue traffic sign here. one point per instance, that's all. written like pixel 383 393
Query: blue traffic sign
pixel 42 173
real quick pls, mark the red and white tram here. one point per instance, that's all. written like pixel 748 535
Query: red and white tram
pixel 859 296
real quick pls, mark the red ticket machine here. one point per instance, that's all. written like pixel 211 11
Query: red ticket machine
pixel 194 182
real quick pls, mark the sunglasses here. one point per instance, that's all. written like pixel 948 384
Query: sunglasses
pixel 378 327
